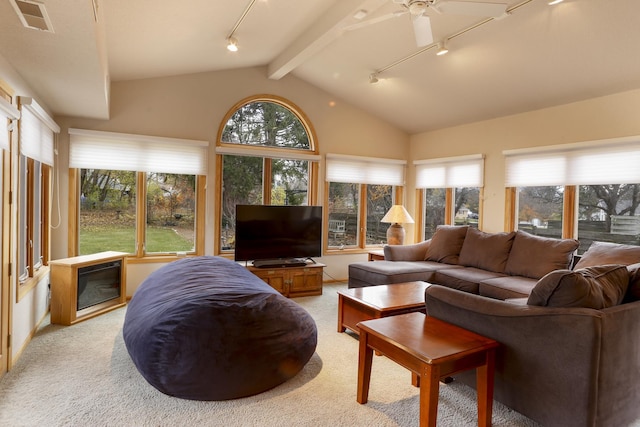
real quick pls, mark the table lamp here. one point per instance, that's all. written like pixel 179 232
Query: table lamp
pixel 397 216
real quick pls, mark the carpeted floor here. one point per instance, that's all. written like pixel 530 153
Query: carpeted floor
pixel 82 375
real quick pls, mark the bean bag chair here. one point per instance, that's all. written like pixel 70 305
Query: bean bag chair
pixel 205 328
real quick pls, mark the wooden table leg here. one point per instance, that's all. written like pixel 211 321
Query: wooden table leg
pixel 365 359
pixel 484 386
pixel 429 390
pixel 341 328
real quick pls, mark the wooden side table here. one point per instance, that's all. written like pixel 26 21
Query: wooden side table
pixel 431 349
pixel 376 255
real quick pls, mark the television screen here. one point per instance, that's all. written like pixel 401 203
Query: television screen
pixel 278 232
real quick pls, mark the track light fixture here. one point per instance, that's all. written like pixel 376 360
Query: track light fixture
pixel 374 77
pixel 443 49
pixel 232 44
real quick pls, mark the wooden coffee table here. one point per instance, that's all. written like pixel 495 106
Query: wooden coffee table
pixel 373 302
pixel 431 349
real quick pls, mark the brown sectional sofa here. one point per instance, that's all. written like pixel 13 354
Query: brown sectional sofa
pixel 496 265
pixel 570 347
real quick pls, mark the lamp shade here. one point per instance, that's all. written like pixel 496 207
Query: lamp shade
pixel 397 215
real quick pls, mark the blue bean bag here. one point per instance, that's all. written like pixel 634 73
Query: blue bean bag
pixel 205 328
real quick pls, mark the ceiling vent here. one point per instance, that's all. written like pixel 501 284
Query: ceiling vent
pixel 32 14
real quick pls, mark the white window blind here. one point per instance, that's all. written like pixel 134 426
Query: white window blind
pixel 7 112
pixel 450 172
pixel 364 170
pixel 613 161
pixel 90 149
pixel 36 132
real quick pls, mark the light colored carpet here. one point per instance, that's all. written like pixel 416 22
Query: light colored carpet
pixel 82 375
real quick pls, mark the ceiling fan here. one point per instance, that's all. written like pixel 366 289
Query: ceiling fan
pixel 417 9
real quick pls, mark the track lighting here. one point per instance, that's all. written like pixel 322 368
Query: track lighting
pixel 373 78
pixel 442 48
pixel 232 45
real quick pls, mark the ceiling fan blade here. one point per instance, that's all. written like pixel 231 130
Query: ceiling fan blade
pixel 471 8
pixel 422 30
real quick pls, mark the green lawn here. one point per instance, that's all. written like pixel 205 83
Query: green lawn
pixel 122 239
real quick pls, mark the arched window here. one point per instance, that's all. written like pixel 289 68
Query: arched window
pixel 266 153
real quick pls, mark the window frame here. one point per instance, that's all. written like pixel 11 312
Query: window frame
pixel 448 179
pixel 361 245
pixel 449 214
pixel 35 188
pixel 141 210
pixel 570 178
pixel 267 154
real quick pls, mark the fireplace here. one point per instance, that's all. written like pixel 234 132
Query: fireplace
pixel 98 283
pixel 86 286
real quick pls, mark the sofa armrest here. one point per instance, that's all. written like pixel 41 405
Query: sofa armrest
pixel 414 252
pixel 548 361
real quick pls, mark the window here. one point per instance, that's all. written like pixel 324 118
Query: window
pixel 148 199
pixel 265 154
pixel 435 200
pixel 449 192
pixel 589 191
pixel 36 156
pixel 360 191
pixel 608 213
pixel 540 210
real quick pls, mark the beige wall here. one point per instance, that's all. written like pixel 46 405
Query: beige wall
pixel 594 119
pixel 193 107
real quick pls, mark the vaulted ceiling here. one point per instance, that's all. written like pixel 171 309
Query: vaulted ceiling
pixel 534 57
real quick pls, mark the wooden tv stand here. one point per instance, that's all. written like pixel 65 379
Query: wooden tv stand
pixel 64 287
pixel 292 281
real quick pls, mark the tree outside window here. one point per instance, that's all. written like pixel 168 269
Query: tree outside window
pixel 609 213
pixel 434 210
pixel 266 141
pixel 108 217
pixel 540 210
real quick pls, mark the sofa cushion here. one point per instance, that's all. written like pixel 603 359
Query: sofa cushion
pixel 534 256
pixel 414 252
pixel 633 291
pixel 507 287
pixel 601 253
pixel 446 244
pixel 463 279
pixel 367 273
pixel 488 251
pixel 595 287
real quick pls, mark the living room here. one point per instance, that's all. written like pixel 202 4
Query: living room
pixel 192 106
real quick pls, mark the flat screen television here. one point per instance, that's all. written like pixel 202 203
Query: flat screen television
pixel 288 233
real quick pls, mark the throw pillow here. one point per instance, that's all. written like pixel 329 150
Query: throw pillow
pixel 446 244
pixel 534 256
pixel 633 291
pixel 595 287
pixel 488 251
pixel 601 253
